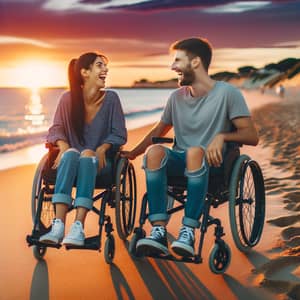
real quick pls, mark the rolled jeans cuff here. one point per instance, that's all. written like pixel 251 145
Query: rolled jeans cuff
pixel 198 172
pixel 190 222
pixel 83 202
pixel 62 198
pixel 158 217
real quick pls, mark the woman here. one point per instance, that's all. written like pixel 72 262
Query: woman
pixel 88 124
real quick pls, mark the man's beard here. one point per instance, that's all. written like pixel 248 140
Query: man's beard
pixel 188 77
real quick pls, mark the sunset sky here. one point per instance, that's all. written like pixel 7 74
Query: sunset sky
pixel 39 37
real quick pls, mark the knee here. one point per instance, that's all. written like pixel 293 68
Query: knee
pixel 71 154
pixel 195 153
pixel 154 156
pixel 87 153
pixel 194 157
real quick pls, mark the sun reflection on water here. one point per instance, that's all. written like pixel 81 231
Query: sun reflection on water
pixel 35 110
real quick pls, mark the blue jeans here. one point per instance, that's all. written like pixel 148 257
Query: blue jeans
pixel 174 164
pixel 74 169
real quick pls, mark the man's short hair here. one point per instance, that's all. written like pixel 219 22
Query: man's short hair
pixel 195 47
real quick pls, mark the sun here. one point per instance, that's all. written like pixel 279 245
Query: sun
pixel 36 74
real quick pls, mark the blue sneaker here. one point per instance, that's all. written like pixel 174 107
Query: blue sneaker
pixel 184 245
pixel 155 243
pixel 56 234
pixel 75 236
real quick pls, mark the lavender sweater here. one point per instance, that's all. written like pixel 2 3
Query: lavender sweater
pixel 108 126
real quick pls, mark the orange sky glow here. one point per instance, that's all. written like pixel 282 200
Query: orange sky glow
pixel 38 40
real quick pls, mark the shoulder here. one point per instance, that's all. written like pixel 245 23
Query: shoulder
pixel 112 94
pixel 65 99
pixel 228 89
pixel 180 93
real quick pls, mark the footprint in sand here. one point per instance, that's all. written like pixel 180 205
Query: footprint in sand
pixel 285 220
pixel 281 267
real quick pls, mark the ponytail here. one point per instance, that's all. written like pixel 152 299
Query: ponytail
pixel 77 106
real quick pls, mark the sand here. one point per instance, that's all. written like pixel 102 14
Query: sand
pixel 270 271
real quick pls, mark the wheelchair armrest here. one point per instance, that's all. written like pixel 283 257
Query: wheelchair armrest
pixel 161 140
pixel 233 145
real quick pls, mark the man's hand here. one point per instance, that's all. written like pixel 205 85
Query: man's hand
pixel 128 154
pixel 214 151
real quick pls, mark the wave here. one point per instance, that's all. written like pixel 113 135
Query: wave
pixel 12 142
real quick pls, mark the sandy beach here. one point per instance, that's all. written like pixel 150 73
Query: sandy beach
pixel 270 271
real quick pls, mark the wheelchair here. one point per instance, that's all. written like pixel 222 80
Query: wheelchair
pixel 117 190
pixel 240 183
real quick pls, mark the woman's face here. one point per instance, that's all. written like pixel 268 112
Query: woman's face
pixel 97 73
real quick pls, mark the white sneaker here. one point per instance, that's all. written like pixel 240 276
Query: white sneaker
pixel 75 236
pixel 56 234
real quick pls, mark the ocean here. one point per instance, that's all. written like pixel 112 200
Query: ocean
pixel 26 115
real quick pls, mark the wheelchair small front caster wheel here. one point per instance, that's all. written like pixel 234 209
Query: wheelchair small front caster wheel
pixel 109 249
pixel 219 258
pixel 39 252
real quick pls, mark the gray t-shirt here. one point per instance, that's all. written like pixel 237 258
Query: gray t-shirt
pixel 108 125
pixel 196 121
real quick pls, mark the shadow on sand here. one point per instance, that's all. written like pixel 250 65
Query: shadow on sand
pixel 120 283
pixel 171 280
pixel 40 282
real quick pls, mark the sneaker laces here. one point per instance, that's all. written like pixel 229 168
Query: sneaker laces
pixel 157 232
pixel 186 234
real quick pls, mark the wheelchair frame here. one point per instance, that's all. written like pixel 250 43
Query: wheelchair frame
pixel 242 185
pixel 119 194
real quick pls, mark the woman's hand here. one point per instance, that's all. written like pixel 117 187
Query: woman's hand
pixel 63 147
pixel 214 151
pixel 101 155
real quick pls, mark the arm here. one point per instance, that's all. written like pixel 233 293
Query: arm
pixel 160 129
pixel 57 130
pixel 245 134
pixel 118 134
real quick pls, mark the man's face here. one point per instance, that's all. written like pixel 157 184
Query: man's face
pixel 182 66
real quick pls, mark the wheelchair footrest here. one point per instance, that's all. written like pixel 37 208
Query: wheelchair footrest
pixel 33 240
pixel 90 243
pixel 194 259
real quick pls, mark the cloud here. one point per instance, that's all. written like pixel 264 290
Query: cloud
pixel 208 6
pixel 88 6
pixel 289 44
pixel 238 7
pixel 5 40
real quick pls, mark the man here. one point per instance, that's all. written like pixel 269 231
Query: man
pixel 202 112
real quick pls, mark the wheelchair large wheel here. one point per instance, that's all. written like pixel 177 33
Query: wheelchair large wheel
pixel 41 204
pixel 246 203
pixel 125 198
